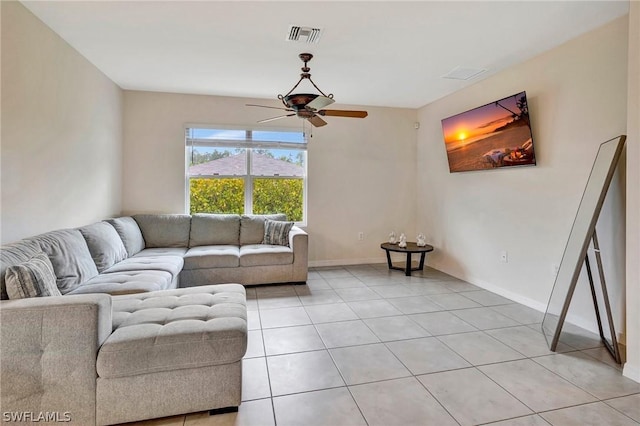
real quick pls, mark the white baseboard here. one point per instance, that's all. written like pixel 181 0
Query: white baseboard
pixel 533 304
pixel 346 262
pixel 395 257
pixel 632 371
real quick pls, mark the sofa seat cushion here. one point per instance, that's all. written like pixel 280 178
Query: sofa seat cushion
pixel 265 254
pixel 171 264
pixel 126 282
pixel 175 329
pixel 205 257
pixel 167 251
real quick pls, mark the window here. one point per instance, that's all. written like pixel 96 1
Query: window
pixel 246 172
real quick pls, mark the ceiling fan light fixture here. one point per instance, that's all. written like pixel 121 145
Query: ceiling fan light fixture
pixel 319 102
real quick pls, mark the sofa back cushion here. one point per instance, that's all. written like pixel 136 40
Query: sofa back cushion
pixel 164 230
pixel 14 254
pixel 70 257
pixel 130 234
pixel 252 227
pixel 104 244
pixel 214 229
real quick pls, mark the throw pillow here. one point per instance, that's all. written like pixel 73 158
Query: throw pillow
pixel 276 232
pixel 33 278
pixel 252 227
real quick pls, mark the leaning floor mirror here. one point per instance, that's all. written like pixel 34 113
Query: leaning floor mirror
pixel 582 242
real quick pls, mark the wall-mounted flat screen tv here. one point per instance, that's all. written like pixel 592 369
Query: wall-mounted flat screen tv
pixel 494 135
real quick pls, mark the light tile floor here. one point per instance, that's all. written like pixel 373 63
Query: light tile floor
pixel 362 345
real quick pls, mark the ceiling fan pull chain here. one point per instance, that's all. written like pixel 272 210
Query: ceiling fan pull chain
pixel 307 135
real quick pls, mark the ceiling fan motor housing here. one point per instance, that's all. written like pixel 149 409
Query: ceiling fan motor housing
pixel 298 103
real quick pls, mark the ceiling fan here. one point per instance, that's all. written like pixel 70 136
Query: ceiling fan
pixel 307 105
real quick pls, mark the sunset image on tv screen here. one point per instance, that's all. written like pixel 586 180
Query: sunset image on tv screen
pixel 497 134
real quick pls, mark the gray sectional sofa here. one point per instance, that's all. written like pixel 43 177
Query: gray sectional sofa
pixel 139 332
pixel 159 252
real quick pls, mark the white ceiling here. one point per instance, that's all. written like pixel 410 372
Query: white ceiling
pixel 382 53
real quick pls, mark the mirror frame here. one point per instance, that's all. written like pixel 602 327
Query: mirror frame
pixel 581 234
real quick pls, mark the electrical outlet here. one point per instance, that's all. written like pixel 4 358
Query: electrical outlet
pixel 360 236
pixel 504 256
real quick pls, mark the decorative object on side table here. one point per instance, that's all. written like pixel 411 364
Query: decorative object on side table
pixel 421 240
pixel 403 241
pixel 392 237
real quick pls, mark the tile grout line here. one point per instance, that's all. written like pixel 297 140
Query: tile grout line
pixel 565 378
pixel 604 401
pixel 437 400
pixel 266 364
pixel 513 418
pixel 340 373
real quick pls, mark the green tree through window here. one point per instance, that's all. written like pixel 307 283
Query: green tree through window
pixel 278 196
pixel 216 196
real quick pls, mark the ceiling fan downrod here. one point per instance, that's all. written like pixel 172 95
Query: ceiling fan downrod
pixel 304 57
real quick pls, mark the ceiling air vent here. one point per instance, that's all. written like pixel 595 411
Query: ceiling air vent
pixel 303 34
pixel 460 73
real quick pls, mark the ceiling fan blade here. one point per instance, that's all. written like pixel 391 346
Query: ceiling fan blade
pixel 276 118
pixel 265 106
pixel 343 113
pixel 319 103
pixel 317 121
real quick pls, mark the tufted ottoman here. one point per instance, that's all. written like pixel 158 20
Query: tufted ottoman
pixel 172 352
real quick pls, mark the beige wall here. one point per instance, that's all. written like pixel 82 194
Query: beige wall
pixel 360 172
pixel 61 132
pixel 577 98
pixel 632 367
